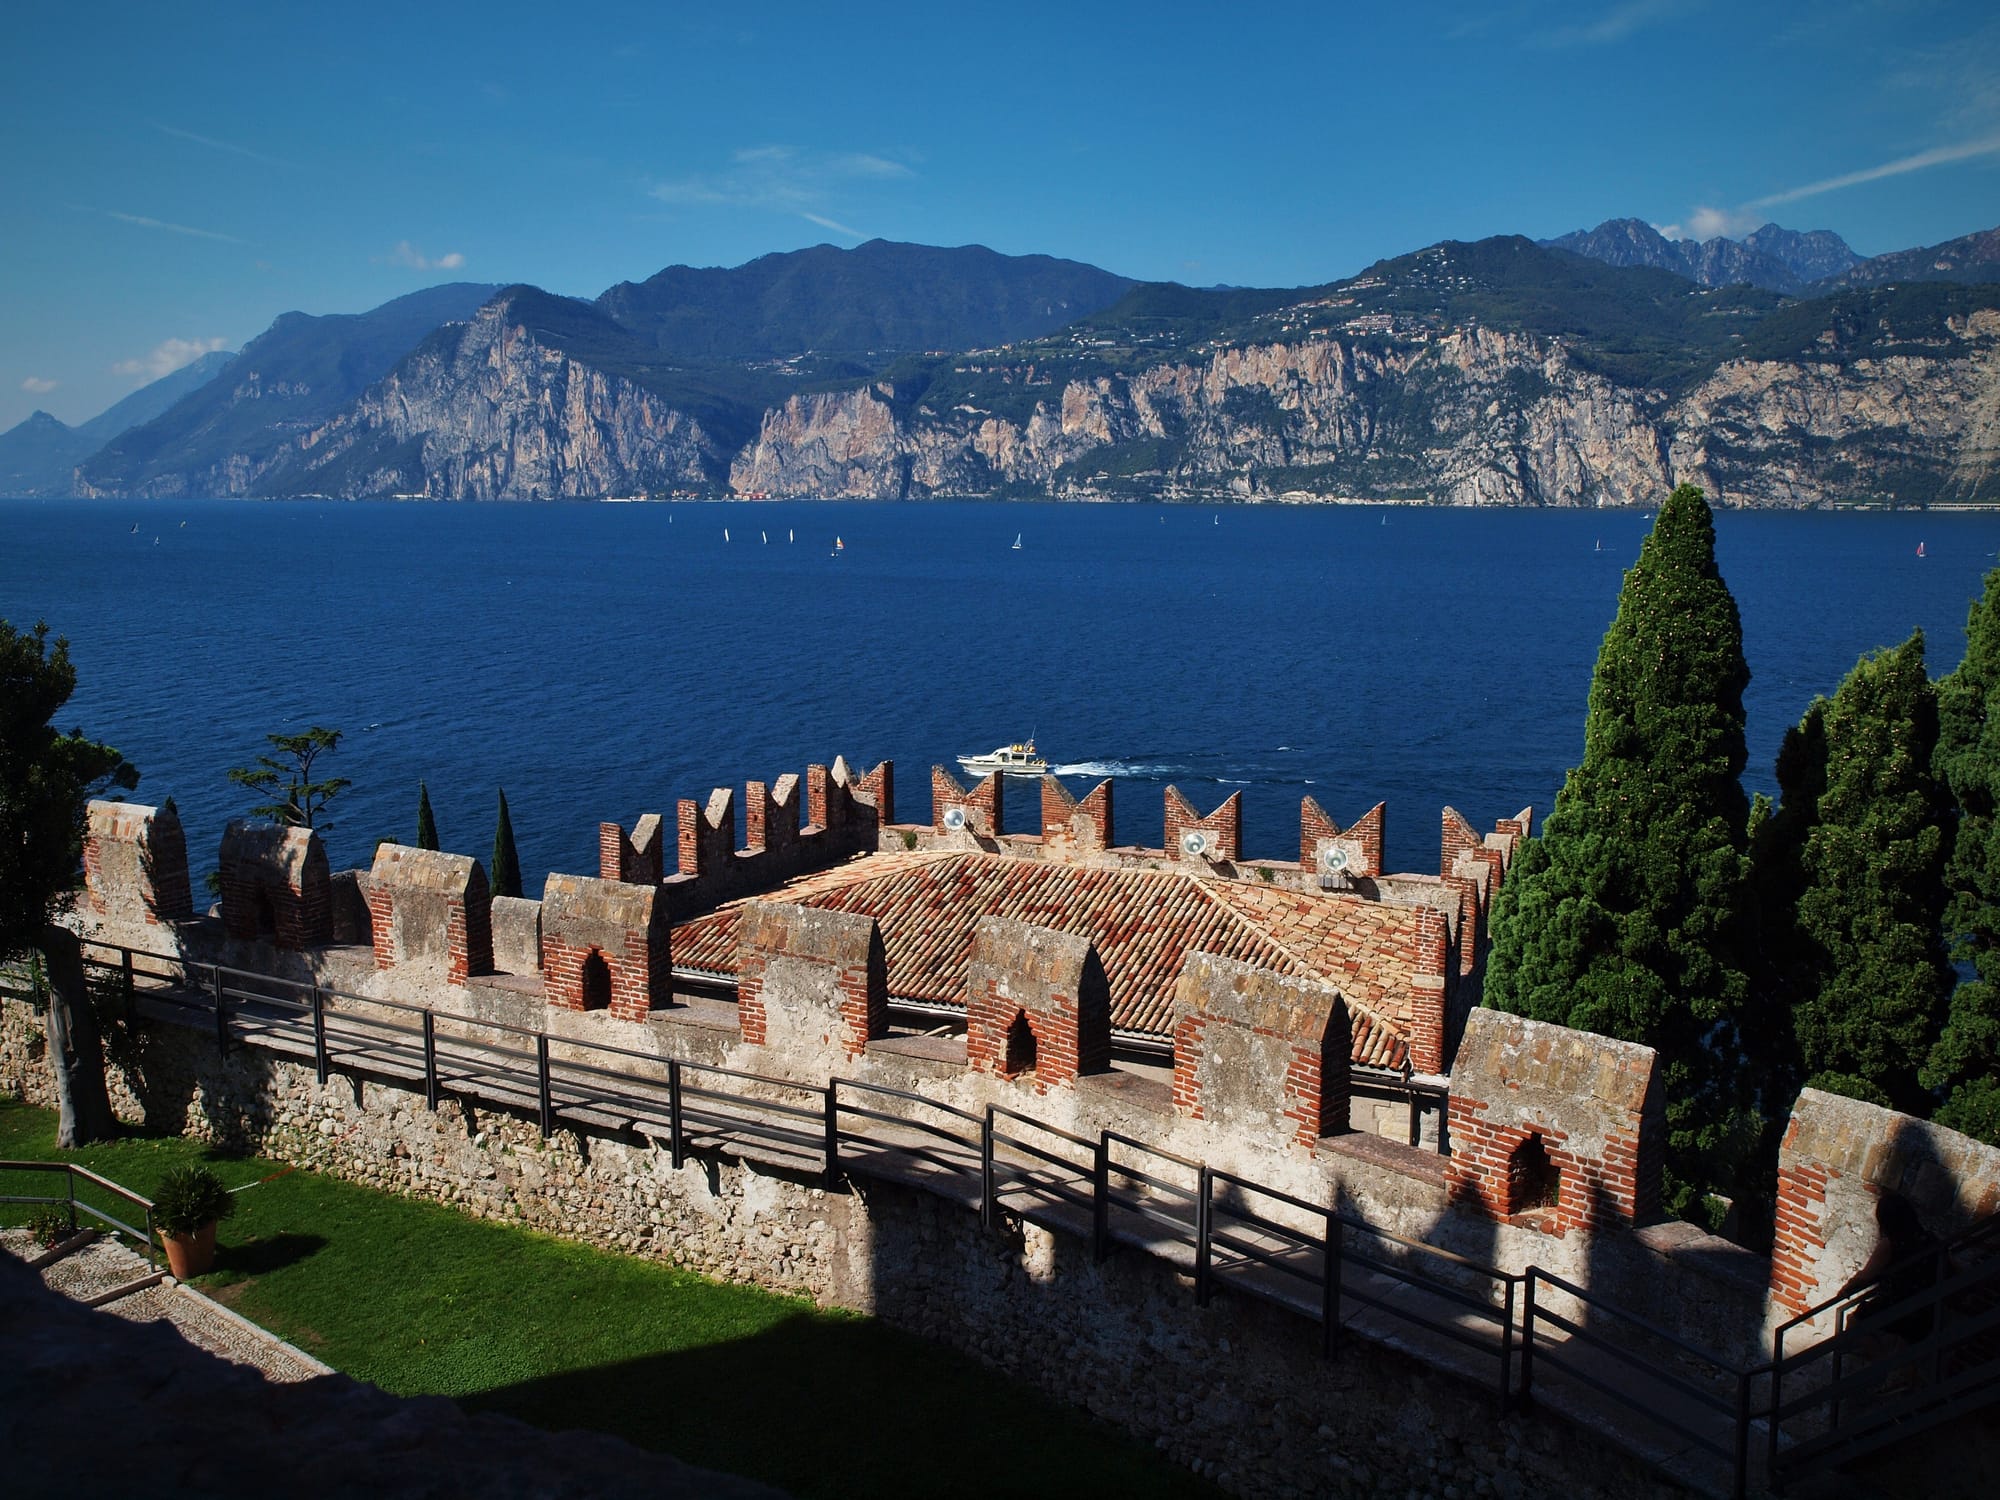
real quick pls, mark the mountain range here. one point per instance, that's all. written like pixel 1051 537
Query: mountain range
pixel 1597 368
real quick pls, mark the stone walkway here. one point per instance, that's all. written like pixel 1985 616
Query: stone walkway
pixel 166 1393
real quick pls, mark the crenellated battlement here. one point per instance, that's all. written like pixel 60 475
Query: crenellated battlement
pixel 135 864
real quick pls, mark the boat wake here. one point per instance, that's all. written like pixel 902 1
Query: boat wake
pixel 1119 768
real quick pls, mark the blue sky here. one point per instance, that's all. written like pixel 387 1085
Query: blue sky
pixel 174 177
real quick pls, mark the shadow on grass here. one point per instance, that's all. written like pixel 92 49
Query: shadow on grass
pixel 836 1406
pixel 261 1256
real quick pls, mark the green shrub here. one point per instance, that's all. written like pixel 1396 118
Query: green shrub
pixel 189 1197
pixel 49 1225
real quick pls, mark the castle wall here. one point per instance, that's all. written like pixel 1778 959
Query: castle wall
pixel 1260 1054
pixel 846 818
pixel 1049 983
pixel 135 866
pixel 1591 1106
pixel 428 909
pixel 604 947
pixel 1235 1390
pixel 276 886
pixel 1839 1155
pixel 811 980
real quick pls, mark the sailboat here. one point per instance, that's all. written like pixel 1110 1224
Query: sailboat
pixel 1600 544
pixel 1920 549
pixel 790 535
pixel 764 537
pixel 1017 541
pixel 725 533
pixel 838 547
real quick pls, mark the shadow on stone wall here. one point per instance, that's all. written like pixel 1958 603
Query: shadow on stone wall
pixel 831 1403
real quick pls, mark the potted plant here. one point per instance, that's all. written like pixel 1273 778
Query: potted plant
pixel 187 1205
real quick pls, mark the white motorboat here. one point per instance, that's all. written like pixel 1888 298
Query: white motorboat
pixel 1009 760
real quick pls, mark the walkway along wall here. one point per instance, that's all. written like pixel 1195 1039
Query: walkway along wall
pixel 1234 1390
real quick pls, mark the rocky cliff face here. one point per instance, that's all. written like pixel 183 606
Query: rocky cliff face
pixel 485 411
pixel 1471 417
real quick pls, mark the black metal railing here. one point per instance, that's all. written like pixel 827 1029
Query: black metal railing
pixel 1234 1234
pixel 1889 1369
pixel 1646 1382
pixel 75 1202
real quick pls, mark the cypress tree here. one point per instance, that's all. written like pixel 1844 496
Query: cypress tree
pixel 1851 875
pixel 1965 1058
pixel 1626 916
pixel 506 861
pixel 427 828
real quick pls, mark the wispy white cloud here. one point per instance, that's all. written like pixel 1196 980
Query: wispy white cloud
pixel 146 222
pixel 783 178
pixel 36 385
pixel 1707 221
pixel 1615 24
pixel 168 357
pixel 1937 156
pixel 407 254
pixel 834 224
pixel 215 145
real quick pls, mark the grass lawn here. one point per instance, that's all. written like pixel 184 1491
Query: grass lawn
pixel 421 1299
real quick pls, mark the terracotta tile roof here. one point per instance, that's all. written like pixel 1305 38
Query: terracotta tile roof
pixel 1144 923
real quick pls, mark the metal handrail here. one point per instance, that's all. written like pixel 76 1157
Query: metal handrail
pixel 71 1171
pixel 1737 1406
pixel 1189 1212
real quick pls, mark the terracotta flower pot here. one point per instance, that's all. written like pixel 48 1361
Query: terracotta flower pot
pixel 190 1254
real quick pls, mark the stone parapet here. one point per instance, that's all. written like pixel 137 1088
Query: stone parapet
pixel 276 886
pixel 1037 1005
pixel 1838 1157
pixel 1559 1129
pixel 1260 1054
pixel 604 947
pixel 809 979
pixel 135 866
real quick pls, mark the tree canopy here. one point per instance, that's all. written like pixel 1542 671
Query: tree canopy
pixel 1964 1061
pixel 46 778
pixel 506 860
pixel 427 827
pixel 1626 916
pixel 1851 880
pixel 286 779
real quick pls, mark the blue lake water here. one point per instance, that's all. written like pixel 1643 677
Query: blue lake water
pixel 600 661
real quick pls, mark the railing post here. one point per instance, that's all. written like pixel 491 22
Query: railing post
pixel 832 1165
pixel 152 1250
pixel 986 1205
pixel 547 1101
pixel 1507 1348
pixel 1203 1209
pixel 676 1143
pixel 319 1034
pixel 130 986
pixel 1100 1197
pixel 1777 1400
pixel 431 1064
pixel 1329 1292
pixel 1528 1339
pixel 221 1014
pixel 1742 1446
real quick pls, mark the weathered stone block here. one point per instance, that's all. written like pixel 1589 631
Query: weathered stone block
pixel 1037 1004
pixel 1258 1053
pixel 808 978
pixel 1539 1110
pixel 604 946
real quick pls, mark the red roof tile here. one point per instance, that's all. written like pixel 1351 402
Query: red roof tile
pixel 1144 923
